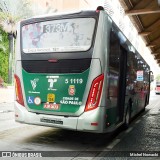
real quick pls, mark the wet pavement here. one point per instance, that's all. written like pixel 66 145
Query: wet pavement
pixel 143 136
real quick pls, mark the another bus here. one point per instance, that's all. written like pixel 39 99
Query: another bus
pixel 78 71
pixel 157 88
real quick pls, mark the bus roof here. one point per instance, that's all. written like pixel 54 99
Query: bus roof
pixel 59 14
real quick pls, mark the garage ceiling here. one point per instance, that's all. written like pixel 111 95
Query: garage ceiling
pixel 145 15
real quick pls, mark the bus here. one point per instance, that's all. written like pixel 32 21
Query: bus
pixel 78 71
pixel 157 88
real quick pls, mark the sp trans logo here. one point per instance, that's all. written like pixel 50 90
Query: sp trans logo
pixel 52 80
pixel 34 83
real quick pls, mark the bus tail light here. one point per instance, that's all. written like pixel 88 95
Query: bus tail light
pixel 94 124
pixel 18 89
pixel 95 93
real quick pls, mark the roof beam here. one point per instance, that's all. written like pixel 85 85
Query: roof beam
pixel 144 33
pixel 144 3
pixel 158 61
pixel 152 28
pixel 155 25
pixel 150 45
pixel 158 49
pixel 154 42
pixel 155 53
pixel 133 12
pixel 157 56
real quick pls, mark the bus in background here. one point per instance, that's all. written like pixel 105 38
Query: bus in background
pixel 157 88
pixel 78 71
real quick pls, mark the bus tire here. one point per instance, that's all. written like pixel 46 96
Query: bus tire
pixel 127 116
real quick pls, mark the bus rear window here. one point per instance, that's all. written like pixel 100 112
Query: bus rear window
pixel 65 35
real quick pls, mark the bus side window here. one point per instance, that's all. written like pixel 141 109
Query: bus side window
pixel 114 56
pixel 114 63
pixel 131 84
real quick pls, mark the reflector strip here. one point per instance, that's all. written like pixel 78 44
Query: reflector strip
pixel 94 124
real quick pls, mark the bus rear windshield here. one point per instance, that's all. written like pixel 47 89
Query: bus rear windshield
pixel 65 35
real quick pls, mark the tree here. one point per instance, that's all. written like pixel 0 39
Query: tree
pixel 158 78
pixel 10 13
pixel 4 47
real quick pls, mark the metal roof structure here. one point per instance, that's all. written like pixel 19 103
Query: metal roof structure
pixel 145 15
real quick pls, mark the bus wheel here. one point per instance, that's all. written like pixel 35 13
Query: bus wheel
pixel 127 117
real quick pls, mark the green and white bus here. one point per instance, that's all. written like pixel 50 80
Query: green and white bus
pixel 78 71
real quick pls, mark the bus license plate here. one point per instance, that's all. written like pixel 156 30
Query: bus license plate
pixel 46 120
pixel 50 97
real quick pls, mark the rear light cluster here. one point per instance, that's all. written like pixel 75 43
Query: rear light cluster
pixel 95 93
pixel 18 89
pixel 157 88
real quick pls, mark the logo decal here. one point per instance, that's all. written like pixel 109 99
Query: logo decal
pixel 71 90
pixel 37 101
pixel 30 99
pixel 50 97
pixel 34 83
pixel 51 81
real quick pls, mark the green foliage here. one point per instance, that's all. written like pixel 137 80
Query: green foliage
pixel 158 77
pixel 4 50
pixel 12 12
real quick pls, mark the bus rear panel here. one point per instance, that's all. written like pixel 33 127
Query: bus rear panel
pixel 55 85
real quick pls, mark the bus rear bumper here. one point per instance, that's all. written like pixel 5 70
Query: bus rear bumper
pixel 23 116
pixel 87 122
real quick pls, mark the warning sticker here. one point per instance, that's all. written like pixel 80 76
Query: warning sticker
pixel 50 97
